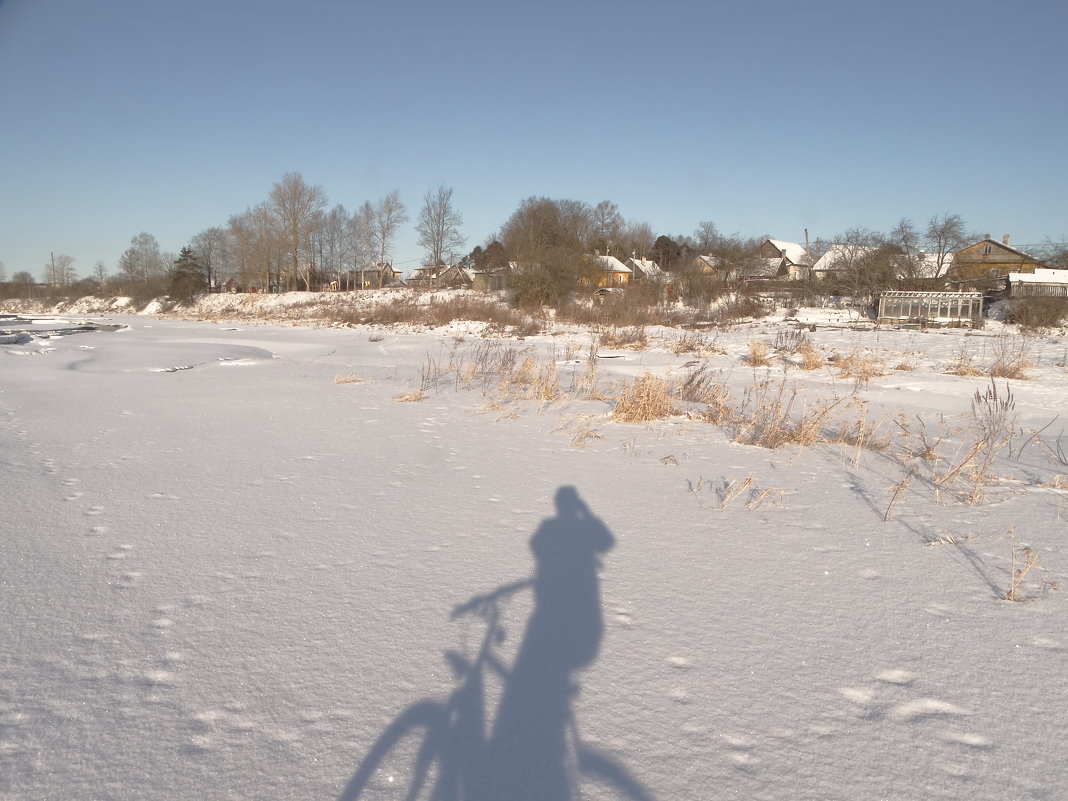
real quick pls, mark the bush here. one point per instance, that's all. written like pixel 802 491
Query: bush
pixel 1037 312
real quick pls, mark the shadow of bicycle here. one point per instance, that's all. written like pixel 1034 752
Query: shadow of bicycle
pixel 450 751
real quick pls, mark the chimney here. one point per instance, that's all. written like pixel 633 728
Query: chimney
pixel 1004 239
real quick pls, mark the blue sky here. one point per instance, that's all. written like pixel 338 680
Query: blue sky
pixel 766 117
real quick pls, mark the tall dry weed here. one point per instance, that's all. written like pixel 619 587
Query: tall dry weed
pixel 1012 357
pixel 646 398
pixel 772 415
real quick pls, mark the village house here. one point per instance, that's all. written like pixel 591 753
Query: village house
pixel 988 259
pixel 612 272
pixel 714 266
pixel 841 259
pixel 780 259
pixel 376 276
pixel 645 269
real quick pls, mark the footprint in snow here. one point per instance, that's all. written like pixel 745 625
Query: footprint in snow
pixel 679 662
pixel 158 678
pixel 967 738
pixel 1046 642
pixel 623 616
pixel 893 676
pixel 921 708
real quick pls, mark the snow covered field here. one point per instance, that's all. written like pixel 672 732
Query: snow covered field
pixel 224 572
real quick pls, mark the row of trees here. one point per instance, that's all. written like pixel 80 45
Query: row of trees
pixel 291 240
pixel 294 239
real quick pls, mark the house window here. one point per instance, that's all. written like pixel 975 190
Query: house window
pixel 986 250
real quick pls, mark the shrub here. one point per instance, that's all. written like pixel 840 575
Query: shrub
pixel 1037 312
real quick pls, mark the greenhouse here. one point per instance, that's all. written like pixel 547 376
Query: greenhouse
pixel 931 308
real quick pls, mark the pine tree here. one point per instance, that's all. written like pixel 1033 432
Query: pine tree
pixel 187 276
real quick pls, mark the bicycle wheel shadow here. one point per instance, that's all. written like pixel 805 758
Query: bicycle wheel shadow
pixel 524 753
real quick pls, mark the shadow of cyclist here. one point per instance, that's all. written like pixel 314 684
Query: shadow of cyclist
pixel 527 746
pixel 530 751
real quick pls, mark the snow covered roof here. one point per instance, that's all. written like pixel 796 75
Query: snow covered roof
pixel 647 266
pixel 836 254
pixel 610 264
pixel 1041 275
pixel 794 251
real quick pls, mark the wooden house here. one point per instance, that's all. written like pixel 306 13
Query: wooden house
pixel 609 271
pixel 988 259
pixel 780 259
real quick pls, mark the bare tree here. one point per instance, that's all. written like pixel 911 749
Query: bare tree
pixel 142 261
pixel 213 246
pixel 99 274
pixel 707 237
pixel 363 240
pixel 25 280
pixel 439 227
pixel 387 217
pixel 606 225
pixel 257 250
pixel 906 238
pixel 59 271
pixel 945 235
pixel 298 208
pixel 334 242
pixel 635 238
pixel 1055 254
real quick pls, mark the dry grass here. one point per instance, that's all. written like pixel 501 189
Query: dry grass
pixel 646 398
pixel 899 492
pixel 1058 482
pixel 531 380
pixel 732 490
pixel 926 448
pixel 350 378
pixel 772 416
pixel 963 364
pixel 583 434
pixel 861 434
pixel 1022 560
pixel 758 355
pixel 410 397
pixel 1012 357
pixel 706 387
pixel 860 365
pixel 632 338
pixel 696 343
pixel 994 417
pixel 811 359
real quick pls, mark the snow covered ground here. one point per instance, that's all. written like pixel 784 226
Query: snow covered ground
pixel 224 573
